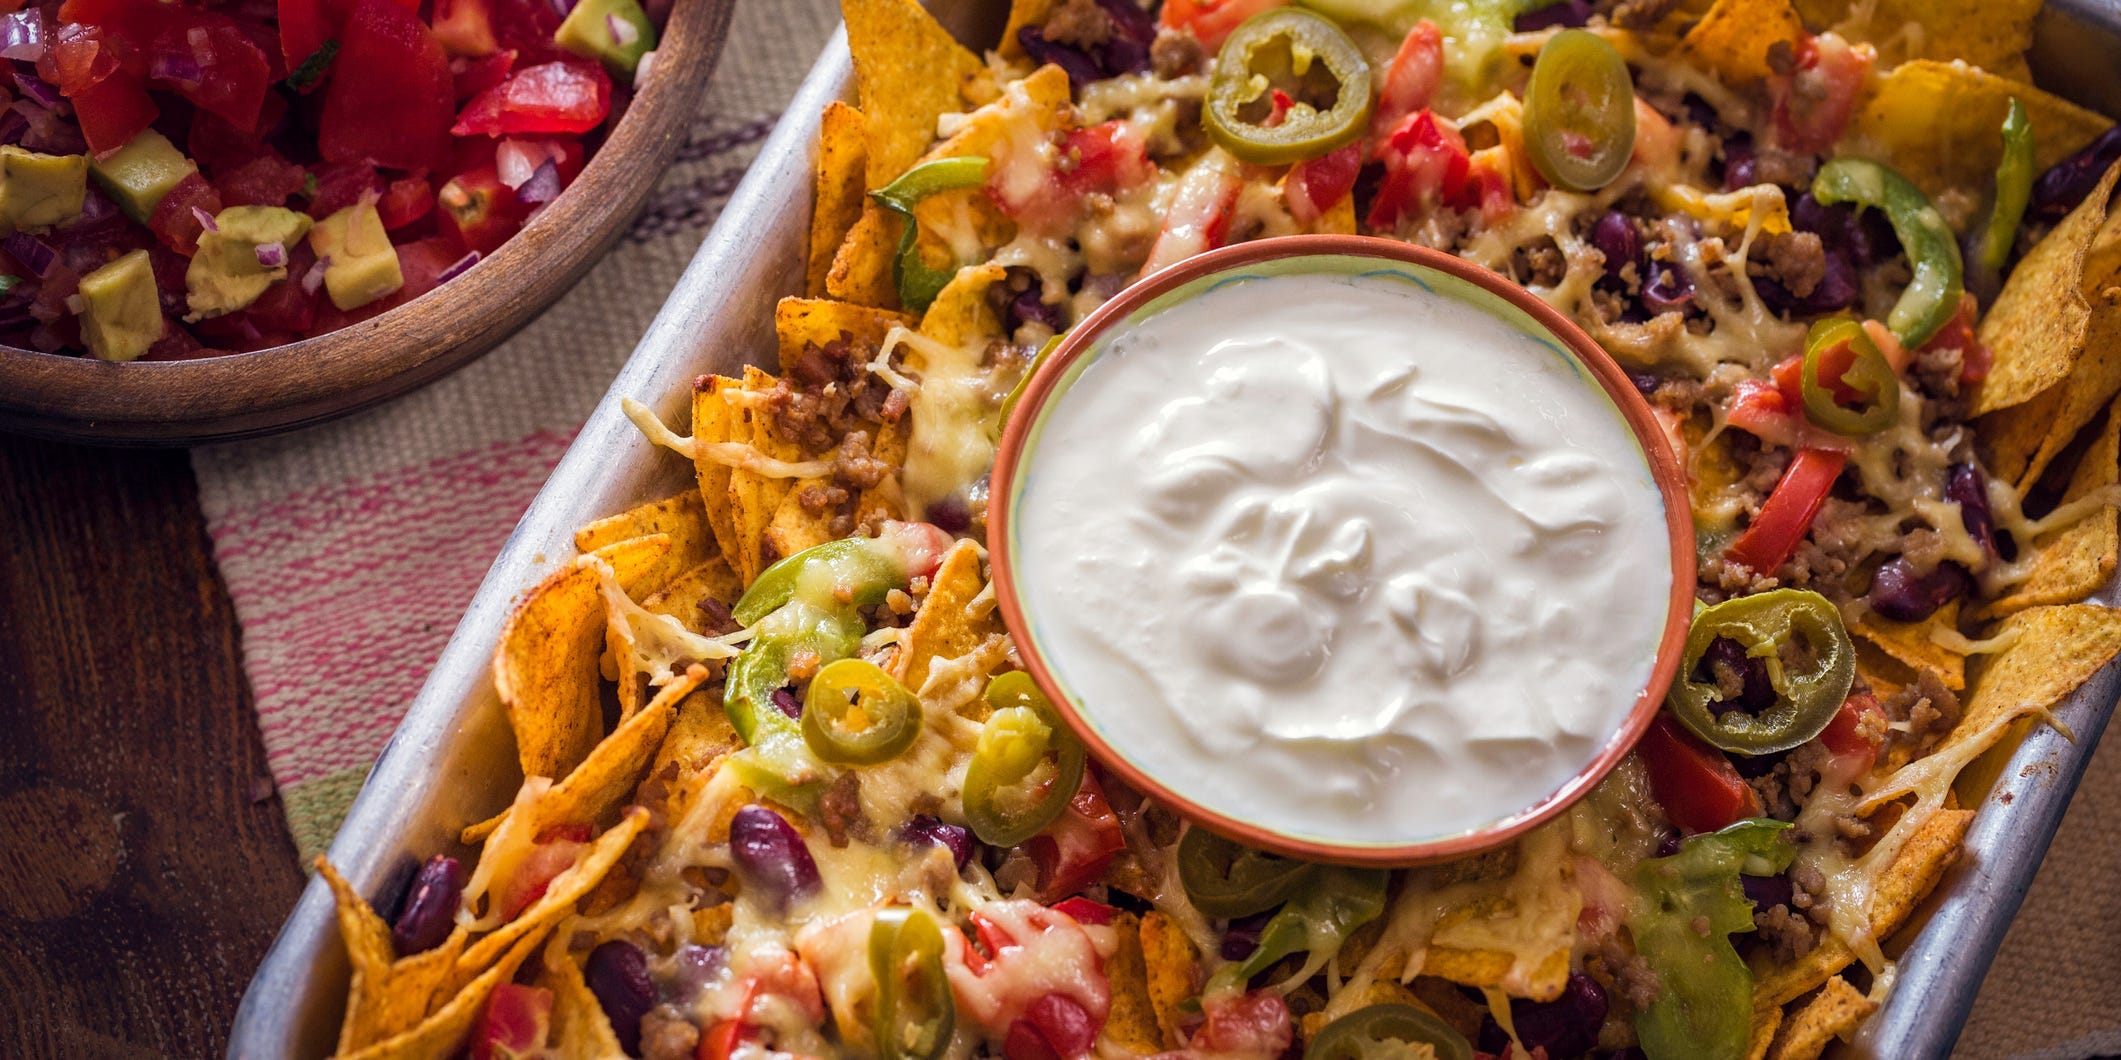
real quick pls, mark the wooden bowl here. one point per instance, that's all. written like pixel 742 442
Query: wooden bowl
pixel 244 395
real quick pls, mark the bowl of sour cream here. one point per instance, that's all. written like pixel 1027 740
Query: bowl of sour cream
pixel 1343 548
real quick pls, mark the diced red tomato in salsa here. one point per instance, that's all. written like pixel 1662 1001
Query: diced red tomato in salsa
pixel 562 96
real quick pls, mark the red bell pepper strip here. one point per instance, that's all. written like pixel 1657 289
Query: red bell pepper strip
pixel 1700 790
pixel 1316 185
pixel 555 97
pixel 77 58
pixel 304 27
pixel 175 221
pixel 1426 164
pixel 1410 81
pixel 1212 20
pixel 1073 851
pixel 1810 105
pixel 396 114
pixel 1787 516
pixel 1844 737
pixel 473 76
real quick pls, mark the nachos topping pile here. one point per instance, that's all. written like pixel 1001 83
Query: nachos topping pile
pixel 789 791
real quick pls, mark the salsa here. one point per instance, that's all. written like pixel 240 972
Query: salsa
pixel 180 180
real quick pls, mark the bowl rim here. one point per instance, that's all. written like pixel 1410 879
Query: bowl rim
pixel 1045 383
pixel 296 384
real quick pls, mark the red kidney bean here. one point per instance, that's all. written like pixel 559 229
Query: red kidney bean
pixel 950 515
pixel 1242 936
pixel 2064 185
pixel 430 911
pixel 771 857
pixel 1568 14
pixel 1759 693
pixel 1898 593
pixel 617 973
pixel 1741 163
pixel 1668 291
pixel 1963 485
pixel 1565 1027
pixel 785 700
pixel 1615 237
pixel 926 829
pixel 694 968
pixel 1767 892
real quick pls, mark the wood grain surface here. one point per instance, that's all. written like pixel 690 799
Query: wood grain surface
pixel 144 861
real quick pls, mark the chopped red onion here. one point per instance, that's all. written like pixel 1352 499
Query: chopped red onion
pixel 38 89
pixel 177 68
pixel 543 185
pixel 206 220
pixel 457 269
pixel 35 254
pixel 315 277
pixel 22 35
pixel 562 7
pixel 272 255
pixel 48 132
pixel 516 161
pixel 12 126
pixel 622 32
pixel 640 72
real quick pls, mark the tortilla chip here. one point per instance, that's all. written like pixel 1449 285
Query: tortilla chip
pixel 1911 643
pixel 945 627
pixel 795 527
pixel 700 734
pixel 1940 125
pixel 545 668
pixel 1835 1013
pixel 885 500
pixel 2074 562
pixel 1990 34
pixel 683 518
pixel 681 599
pixel 802 322
pixel 1172 967
pixel 387 995
pixel 1022 13
pixel 2024 440
pixel 560 895
pixel 2038 326
pixel 862 268
pixel 712 420
pixel 1131 1024
pixel 961 314
pixel 1732 39
pixel 2057 649
pixel 1933 848
pixel 754 496
pixel 1766 1021
pixel 1039 102
pixel 443 1032
pixel 1488 969
pixel 909 71
pixel 579 1026
pixel 842 160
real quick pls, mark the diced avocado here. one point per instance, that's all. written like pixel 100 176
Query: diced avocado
pixel 225 275
pixel 363 266
pixel 37 191
pixel 121 316
pixel 142 172
pixel 588 32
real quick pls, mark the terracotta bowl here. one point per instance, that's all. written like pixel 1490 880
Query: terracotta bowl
pixel 244 395
pixel 1451 277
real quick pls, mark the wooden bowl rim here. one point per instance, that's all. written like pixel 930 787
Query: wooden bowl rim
pixel 267 391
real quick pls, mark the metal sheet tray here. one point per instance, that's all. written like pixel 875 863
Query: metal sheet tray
pixel 452 762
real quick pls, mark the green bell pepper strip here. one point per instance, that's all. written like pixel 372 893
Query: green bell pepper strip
pixel 1296 47
pixel 919 282
pixel 1579 112
pixel 1023 732
pixel 1228 879
pixel 1932 296
pixel 915 1011
pixel 856 714
pixel 1318 918
pixel 1868 373
pixel 2014 188
pixel 1805 699
pixel 1386 1030
pixel 1705 997
pixel 866 567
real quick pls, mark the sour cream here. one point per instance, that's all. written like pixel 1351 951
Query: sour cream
pixel 1343 558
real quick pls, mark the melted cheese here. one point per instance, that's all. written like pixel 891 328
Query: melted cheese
pixel 728 454
pixel 955 407
pixel 657 645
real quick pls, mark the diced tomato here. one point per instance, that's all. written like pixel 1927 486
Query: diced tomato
pixel 473 76
pixel 556 97
pixel 1700 790
pixel 1199 213
pixel 465 28
pixel 1811 104
pixel 406 201
pixel 721 1040
pixel 422 262
pixel 1084 911
pixel 1488 188
pixel 479 211
pixel 1073 851
pixel 178 344
pixel 1410 81
pixel 175 222
pixel 286 306
pixel 1110 157
pixel 1250 1024
pixel 1766 411
pixel 526 26
pixel 77 58
pixel 236 71
pixel 1844 737
pixel 339 187
pixel 1212 20
pixel 113 111
pixel 217 145
pixel 267 180
pixel 1958 334
pixel 1426 164
pixel 1787 516
pixel 514 1024
pixel 396 113
pixel 546 860
pixel 1834 363
pixel 995 989
pixel 304 27
pixel 1316 185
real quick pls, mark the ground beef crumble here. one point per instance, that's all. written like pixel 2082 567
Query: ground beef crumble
pixel 1175 54
pixel 840 808
pixel 1922 713
pixel 1079 22
pixel 666 1034
pixel 829 391
pixel 1539 263
pixel 1796 260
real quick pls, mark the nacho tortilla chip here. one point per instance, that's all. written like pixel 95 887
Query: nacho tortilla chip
pixel 387 995
pixel 560 895
pixel 799 323
pixel 2057 649
pixel 682 598
pixel 1912 643
pixel 795 526
pixel 1990 34
pixel 756 497
pixel 579 1026
pixel 1131 1023
pixel 443 1032
pixel 2075 561
pixel 862 268
pixel 1766 1021
pixel 2038 325
pixel 699 734
pixel 1022 13
pixel 842 172
pixel 961 314
pixel 2024 439
pixel 1732 40
pixel 994 131
pixel 1172 967
pixel 909 71
pixel 712 419
pixel 545 668
pixel 683 518
pixel 945 627
pixel 1835 1013
pixel 1940 125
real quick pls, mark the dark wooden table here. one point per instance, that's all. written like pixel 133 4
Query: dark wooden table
pixel 144 860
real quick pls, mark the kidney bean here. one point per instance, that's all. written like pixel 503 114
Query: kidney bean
pixel 2063 186
pixel 693 969
pixel 950 515
pixel 1898 593
pixel 1565 1027
pixel 430 911
pixel 1835 291
pixel 1569 14
pixel 1669 290
pixel 1865 237
pixel 1759 693
pixel 1645 383
pixel 928 829
pixel 786 701
pixel 617 973
pixel 1767 892
pixel 1242 936
pixel 1030 305
pixel 1126 51
pixel 771 857
pixel 1963 486
pixel 1741 163
pixel 1615 237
